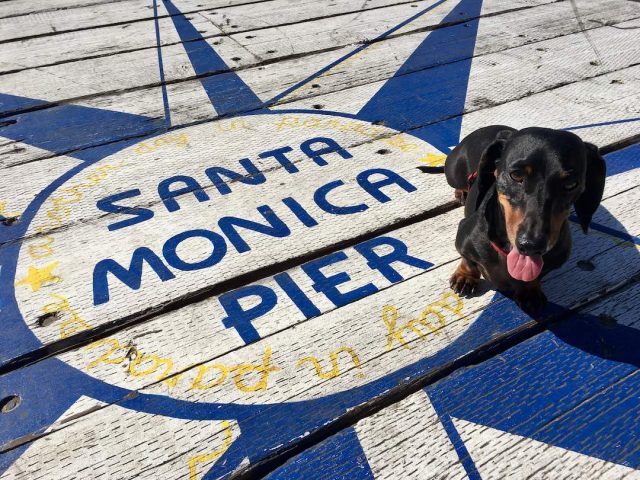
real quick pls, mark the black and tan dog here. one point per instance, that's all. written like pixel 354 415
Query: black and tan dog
pixel 518 187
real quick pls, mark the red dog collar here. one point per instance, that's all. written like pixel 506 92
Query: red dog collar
pixel 498 249
pixel 470 179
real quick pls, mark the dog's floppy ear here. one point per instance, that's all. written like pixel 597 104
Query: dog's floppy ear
pixel 588 201
pixel 488 163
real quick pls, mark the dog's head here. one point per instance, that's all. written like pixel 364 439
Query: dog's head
pixel 540 174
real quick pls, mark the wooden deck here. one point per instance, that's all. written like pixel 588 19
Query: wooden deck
pixel 219 260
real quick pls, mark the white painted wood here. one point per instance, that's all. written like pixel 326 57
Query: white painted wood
pixel 141 35
pixel 111 72
pixel 80 44
pixel 519 72
pixel 61 16
pixel 281 12
pixel 499 455
pixel 604 98
pixel 24 7
pixel 421 240
pixel 555 114
pixel 407 440
pixel 127 444
pixel 180 339
pixel 15 192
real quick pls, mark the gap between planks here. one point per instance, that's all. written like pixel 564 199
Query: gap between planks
pixel 228 34
pixel 196 11
pixel 275 59
pixel 285 102
pixel 466 359
pixel 479 355
pixel 88 336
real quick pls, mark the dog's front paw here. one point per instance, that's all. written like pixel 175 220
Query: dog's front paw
pixel 461 196
pixel 463 284
pixel 530 299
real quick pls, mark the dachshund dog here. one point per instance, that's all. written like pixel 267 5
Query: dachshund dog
pixel 518 187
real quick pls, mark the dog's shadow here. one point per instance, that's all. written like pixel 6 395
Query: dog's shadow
pixel 604 259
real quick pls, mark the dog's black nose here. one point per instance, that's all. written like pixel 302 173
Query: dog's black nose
pixel 531 245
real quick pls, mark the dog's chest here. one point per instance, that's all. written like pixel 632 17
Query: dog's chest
pixel 496 273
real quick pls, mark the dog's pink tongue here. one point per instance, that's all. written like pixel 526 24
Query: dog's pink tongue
pixel 522 267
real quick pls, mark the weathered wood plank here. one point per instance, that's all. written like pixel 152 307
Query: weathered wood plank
pixel 514 73
pixel 569 105
pixel 409 439
pixel 57 19
pixel 148 101
pixel 405 440
pixel 40 51
pixel 91 77
pixel 24 7
pixel 588 100
pixel 366 340
pixel 215 319
pixel 148 446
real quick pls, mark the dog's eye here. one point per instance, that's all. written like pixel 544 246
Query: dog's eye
pixel 570 185
pixel 517 176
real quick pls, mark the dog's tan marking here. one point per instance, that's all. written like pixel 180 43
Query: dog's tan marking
pixel 557 221
pixel 513 217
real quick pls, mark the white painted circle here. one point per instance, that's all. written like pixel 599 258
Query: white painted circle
pixel 158 350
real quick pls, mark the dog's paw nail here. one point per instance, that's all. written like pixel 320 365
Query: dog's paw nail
pixel 463 285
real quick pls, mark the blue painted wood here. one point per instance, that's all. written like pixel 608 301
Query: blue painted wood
pixel 339 457
pixel 49 387
pixel 73 129
pixel 575 386
pixel 226 91
pixel 417 84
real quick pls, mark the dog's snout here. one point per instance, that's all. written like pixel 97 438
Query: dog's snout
pixel 529 244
